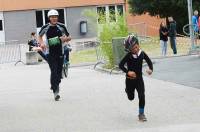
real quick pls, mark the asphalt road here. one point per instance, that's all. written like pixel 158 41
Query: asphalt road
pixel 92 101
pixel 181 70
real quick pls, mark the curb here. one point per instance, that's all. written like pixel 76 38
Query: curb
pixel 166 57
pixel 83 64
pixel 110 71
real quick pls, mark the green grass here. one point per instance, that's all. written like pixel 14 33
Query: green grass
pixel 84 56
pixel 152 48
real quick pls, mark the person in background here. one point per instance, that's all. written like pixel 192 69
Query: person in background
pixel 34 46
pixel 195 24
pixel 199 22
pixel 67 48
pixel 172 34
pixel 163 31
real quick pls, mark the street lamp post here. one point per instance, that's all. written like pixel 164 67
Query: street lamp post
pixel 190 23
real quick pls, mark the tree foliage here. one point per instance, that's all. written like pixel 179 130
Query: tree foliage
pixel 164 8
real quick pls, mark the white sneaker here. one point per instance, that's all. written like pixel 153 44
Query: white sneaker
pixel 56 96
pixel 142 117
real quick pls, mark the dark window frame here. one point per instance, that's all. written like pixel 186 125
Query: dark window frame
pixel 120 10
pixel 39 18
pixel 101 12
pixel 112 13
pixel 1 25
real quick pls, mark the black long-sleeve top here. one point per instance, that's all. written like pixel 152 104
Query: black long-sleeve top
pixel 135 64
pixel 162 36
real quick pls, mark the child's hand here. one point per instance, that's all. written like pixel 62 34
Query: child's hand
pixel 132 74
pixel 149 72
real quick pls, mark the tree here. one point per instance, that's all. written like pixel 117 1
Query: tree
pixel 164 8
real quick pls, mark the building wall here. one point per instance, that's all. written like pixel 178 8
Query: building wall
pixel 145 24
pixel 74 17
pixel 5 5
pixel 19 25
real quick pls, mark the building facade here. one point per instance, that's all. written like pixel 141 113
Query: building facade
pixel 18 18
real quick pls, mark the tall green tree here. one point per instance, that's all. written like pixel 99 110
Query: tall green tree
pixel 164 8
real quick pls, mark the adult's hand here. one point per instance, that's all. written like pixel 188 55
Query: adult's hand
pixel 64 38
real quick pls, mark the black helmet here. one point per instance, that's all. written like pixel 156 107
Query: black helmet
pixel 130 41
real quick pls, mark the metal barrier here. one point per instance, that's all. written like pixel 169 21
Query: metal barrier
pixel 118 52
pixel 194 43
pixel 101 59
pixel 82 45
pixel 10 51
pixel 118 49
pixel 139 28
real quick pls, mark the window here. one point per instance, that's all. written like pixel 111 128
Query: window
pixel 112 15
pixel 1 25
pixel 109 13
pixel 46 16
pixel 61 15
pixel 39 19
pixel 101 11
pixel 42 17
pixel 120 10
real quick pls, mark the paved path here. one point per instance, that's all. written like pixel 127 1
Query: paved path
pixel 181 70
pixel 91 102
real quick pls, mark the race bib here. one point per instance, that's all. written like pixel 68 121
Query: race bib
pixel 54 41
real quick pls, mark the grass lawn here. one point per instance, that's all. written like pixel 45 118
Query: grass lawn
pixel 152 47
pixel 84 56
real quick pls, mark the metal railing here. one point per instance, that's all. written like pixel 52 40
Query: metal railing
pixel 101 59
pixel 139 28
pixel 194 38
pixel 10 51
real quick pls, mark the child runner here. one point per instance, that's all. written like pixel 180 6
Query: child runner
pixel 134 80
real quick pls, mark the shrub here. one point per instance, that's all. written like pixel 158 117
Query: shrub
pixel 107 31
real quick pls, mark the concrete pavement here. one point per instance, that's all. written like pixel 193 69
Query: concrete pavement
pixel 182 70
pixel 91 102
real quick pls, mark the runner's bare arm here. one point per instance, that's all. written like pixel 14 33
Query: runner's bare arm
pixel 41 42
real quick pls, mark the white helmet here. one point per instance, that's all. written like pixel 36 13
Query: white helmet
pixel 53 13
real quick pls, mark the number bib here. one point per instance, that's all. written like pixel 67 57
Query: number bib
pixel 54 41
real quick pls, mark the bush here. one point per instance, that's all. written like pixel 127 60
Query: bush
pixel 107 31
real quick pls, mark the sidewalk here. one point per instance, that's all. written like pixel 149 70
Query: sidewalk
pixel 91 102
